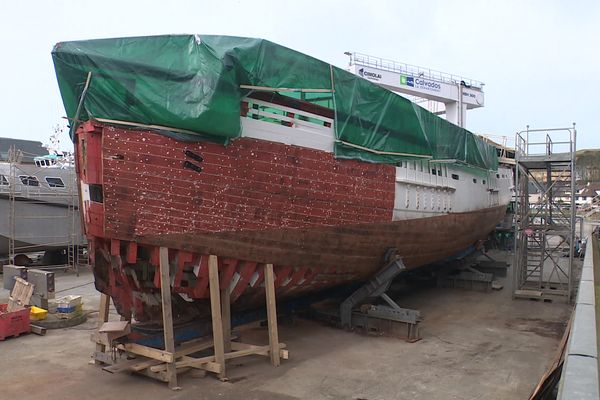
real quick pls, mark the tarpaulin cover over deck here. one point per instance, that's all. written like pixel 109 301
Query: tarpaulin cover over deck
pixel 191 85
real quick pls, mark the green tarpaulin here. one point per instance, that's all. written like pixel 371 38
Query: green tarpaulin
pixel 190 84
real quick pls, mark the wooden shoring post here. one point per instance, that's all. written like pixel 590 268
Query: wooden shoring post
pixel 215 310
pixel 272 315
pixel 167 314
pixel 102 318
pixel 226 315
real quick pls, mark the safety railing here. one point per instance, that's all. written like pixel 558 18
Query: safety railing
pixel 412 70
pixel 545 142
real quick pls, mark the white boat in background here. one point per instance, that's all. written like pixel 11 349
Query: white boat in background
pixel 39 199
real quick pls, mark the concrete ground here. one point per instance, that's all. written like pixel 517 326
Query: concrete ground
pixel 475 345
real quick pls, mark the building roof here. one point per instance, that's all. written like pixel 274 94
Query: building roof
pixel 589 191
pixel 30 148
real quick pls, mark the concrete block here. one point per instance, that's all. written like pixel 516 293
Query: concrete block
pixel 587 274
pixel 586 293
pixel 579 379
pixel 10 273
pixel 583 332
pixel 43 291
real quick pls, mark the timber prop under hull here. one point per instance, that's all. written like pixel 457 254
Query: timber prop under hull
pixel 321 221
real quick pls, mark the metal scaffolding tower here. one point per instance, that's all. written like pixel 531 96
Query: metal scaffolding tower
pixel 545 211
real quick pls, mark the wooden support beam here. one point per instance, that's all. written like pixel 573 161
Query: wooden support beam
pixel 215 310
pixel 207 366
pixel 226 315
pixel 258 350
pixel 167 314
pixel 272 315
pixel 141 365
pixel 145 351
pixel 193 346
pixel 208 363
pixel 102 318
pixel 163 355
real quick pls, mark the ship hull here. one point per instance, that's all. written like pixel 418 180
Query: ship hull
pixel 321 221
pixel 348 249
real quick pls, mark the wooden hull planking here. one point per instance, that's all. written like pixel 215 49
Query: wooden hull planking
pixel 322 221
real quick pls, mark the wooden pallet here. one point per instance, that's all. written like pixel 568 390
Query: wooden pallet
pixel 20 295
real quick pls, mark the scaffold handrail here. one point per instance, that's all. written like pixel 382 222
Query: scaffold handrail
pixel 529 141
pixel 412 70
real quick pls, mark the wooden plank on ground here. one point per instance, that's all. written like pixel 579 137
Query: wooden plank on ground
pixel 144 364
pixel 529 294
pixel 125 365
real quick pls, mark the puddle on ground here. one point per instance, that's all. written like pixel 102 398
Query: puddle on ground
pixel 551 329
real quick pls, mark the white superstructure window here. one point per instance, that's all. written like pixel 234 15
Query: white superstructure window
pixel 54 182
pixel 3 181
pixel 29 180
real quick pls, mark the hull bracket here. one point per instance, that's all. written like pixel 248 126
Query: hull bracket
pixel 380 317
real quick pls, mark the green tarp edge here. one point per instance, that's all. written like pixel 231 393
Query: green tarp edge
pixel 190 84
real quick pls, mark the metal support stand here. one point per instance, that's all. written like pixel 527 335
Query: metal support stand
pixel 466 278
pixel 471 273
pixel 380 318
pixel 491 265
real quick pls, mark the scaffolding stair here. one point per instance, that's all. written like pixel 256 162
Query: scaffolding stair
pixel 545 229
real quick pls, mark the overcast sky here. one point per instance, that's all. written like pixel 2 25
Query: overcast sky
pixel 539 60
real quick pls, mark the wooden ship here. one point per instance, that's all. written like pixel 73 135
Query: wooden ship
pixel 257 154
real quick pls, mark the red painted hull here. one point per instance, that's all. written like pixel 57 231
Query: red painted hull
pixel 322 221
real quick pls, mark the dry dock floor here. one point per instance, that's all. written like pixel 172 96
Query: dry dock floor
pixel 475 345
